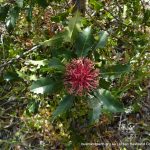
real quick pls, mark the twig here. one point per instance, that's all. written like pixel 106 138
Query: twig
pixel 109 32
pixel 67 3
pixel 119 21
pixel 143 9
pixel 19 56
pixel 99 24
pixel 2 35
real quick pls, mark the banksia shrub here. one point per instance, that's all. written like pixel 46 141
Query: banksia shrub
pixel 81 77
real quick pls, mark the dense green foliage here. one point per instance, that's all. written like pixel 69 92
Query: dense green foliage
pixel 38 39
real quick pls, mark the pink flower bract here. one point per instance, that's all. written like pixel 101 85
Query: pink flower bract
pixel 81 77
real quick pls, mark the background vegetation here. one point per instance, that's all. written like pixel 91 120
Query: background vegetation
pixel 38 38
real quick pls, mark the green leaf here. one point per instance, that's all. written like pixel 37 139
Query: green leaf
pixel 60 17
pixel 96 106
pixel 115 69
pixel 33 107
pixel 104 84
pixel 12 18
pixel 84 42
pixel 57 40
pixel 70 33
pixel 29 13
pixel 146 18
pixel 39 63
pixel 74 26
pixel 97 5
pixel 19 3
pixel 9 76
pixel 42 3
pixel 95 114
pixel 108 101
pixel 56 63
pixel 45 85
pixel 64 105
pixel 3 12
pixel 103 36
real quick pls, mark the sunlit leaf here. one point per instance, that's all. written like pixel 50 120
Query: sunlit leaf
pixel 96 4
pixel 19 3
pixel 109 102
pixel 84 42
pixel 12 18
pixel 103 36
pixel 37 62
pixel 74 25
pixel 45 85
pixel 96 106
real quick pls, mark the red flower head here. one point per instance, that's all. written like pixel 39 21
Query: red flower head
pixel 81 77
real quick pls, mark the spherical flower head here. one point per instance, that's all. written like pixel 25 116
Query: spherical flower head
pixel 81 77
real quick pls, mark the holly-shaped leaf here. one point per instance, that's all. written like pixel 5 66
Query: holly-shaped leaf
pixel 117 69
pixel 109 102
pixel 56 64
pixel 64 105
pixel 74 26
pixel 57 40
pixel 45 85
pixel 11 75
pixel 96 106
pixel 103 36
pixel 70 33
pixel 84 42
pixel 12 18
